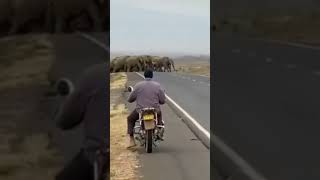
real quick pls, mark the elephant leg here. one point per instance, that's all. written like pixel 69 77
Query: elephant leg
pixel 14 28
pixel 60 24
pixel 114 69
pixel 93 12
pixel 49 18
pixel 139 67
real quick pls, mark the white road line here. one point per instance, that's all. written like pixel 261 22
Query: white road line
pixel 202 129
pixel 193 80
pixel 237 159
pixel 204 76
pixel 95 41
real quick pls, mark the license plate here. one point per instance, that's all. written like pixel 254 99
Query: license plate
pixel 148 117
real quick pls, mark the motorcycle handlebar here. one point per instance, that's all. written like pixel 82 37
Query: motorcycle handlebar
pixel 64 87
pixel 130 88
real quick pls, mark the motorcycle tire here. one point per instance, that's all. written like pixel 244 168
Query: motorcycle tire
pixel 148 144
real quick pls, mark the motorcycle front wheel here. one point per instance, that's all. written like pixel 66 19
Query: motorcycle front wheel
pixel 148 139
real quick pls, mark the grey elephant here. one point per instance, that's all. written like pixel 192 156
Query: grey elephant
pixel 118 64
pixel 146 61
pixel 5 13
pixel 62 10
pixel 168 62
pixel 24 12
pixel 158 63
pixel 134 63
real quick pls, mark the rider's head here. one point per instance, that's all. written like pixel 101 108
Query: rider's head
pixel 148 73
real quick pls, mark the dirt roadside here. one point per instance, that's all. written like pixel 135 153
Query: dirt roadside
pixel 123 162
pixel 26 151
pixel 195 68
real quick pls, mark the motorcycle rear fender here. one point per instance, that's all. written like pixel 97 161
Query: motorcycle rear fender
pixel 149 125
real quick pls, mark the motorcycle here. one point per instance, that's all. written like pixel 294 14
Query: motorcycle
pixel 146 130
pixel 65 87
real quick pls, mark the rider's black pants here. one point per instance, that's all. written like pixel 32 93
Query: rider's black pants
pixel 134 116
pixel 79 168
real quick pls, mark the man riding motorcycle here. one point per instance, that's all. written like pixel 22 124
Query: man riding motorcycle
pixel 88 103
pixel 147 93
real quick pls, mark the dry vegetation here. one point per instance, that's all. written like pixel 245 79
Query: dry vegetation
pixel 24 60
pixel 123 162
pixel 296 26
pixel 25 149
pixel 202 69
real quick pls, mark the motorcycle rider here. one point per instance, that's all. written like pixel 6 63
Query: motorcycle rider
pixel 88 103
pixel 147 93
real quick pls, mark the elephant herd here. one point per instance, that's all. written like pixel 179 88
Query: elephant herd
pixel 53 16
pixel 140 63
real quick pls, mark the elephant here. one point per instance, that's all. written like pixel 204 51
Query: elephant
pixel 118 64
pixel 158 63
pixel 5 13
pixel 62 11
pixel 24 12
pixel 134 62
pixel 168 62
pixel 146 61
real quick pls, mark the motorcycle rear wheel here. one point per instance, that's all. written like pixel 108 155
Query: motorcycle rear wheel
pixel 148 139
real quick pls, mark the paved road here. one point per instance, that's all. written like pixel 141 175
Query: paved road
pixel 73 55
pixel 191 92
pixel 267 106
pixel 181 156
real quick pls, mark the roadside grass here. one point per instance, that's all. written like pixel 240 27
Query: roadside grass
pixel 202 69
pixel 294 26
pixel 31 158
pixel 123 162
pixel 25 151
pixel 24 60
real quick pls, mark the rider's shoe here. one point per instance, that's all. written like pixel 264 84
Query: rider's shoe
pixel 161 133
pixel 131 142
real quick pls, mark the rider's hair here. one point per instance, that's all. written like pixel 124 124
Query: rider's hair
pixel 148 73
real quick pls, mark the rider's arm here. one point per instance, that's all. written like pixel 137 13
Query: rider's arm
pixel 133 95
pixel 72 110
pixel 70 114
pixel 162 96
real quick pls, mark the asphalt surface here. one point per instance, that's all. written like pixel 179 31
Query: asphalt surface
pixel 73 54
pixel 181 156
pixel 266 106
pixel 191 92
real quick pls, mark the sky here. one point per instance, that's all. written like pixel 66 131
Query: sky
pixel 164 26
